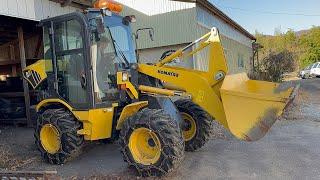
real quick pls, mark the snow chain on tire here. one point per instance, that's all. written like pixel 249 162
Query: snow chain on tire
pixel 67 126
pixel 167 131
pixel 204 123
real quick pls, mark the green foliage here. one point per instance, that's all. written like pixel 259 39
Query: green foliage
pixel 305 46
pixel 311 44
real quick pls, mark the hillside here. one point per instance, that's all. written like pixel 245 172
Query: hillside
pixel 302 32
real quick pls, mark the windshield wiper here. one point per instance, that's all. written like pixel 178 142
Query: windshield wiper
pixel 115 44
pixel 121 53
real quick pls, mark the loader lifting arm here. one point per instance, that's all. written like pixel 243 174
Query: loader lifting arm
pixel 227 98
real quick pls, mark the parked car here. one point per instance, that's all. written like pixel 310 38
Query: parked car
pixel 305 73
pixel 315 70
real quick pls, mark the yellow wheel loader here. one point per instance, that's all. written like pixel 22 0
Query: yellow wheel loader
pixel 94 89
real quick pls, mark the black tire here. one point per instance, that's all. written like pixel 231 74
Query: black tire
pixel 67 126
pixel 204 124
pixel 169 134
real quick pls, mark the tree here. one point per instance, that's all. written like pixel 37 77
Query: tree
pixel 311 43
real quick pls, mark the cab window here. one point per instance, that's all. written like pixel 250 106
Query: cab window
pixel 71 66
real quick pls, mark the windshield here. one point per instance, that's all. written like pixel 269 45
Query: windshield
pixel 105 64
pixel 110 51
pixel 122 36
pixel 314 65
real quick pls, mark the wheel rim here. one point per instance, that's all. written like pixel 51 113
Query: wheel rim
pixel 145 146
pixel 190 127
pixel 50 138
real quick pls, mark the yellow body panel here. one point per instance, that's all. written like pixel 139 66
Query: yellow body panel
pixel 35 73
pixel 130 110
pixel 97 123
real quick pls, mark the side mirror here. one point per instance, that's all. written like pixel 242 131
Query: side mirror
pixel 136 36
pixel 129 19
pixel 100 24
pixel 150 31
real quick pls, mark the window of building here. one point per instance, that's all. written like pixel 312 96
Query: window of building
pixel 240 61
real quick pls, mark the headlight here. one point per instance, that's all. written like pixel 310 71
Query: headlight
pixel 125 77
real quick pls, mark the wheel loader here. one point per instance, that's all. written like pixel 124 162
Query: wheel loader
pixel 94 89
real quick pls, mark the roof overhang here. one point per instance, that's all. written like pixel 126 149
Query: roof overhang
pixel 213 9
pixel 204 3
pixel 82 4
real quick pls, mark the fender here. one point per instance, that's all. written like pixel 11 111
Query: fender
pixel 46 102
pixel 128 111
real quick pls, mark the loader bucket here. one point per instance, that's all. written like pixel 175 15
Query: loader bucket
pixel 251 106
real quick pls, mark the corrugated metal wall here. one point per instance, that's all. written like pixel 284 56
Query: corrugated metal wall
pixel 170 28
pixel 235 52
pixel 32 9
pixel 153 54
pixel 207 19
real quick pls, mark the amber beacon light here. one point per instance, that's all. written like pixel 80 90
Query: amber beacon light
pixel 108 4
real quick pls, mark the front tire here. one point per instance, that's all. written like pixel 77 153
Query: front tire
pixel 198 124
pixel 151 142
pixel 56 135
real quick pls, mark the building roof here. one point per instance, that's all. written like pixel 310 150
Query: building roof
pixel 212 8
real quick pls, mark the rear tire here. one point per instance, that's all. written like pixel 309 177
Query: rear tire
pixel 200 134
pixel 153 156
pixel 66 144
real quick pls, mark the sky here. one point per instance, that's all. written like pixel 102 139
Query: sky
pixel 267 15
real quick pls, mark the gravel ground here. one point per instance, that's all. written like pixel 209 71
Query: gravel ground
pixel 291 150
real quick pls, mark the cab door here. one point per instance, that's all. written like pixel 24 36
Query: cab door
pixel 69 54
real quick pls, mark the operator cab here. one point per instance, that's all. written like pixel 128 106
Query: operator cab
pixel 83 54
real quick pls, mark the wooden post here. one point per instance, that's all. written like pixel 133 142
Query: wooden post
pixel 14 70
pixel 12 57
pixel 25 83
